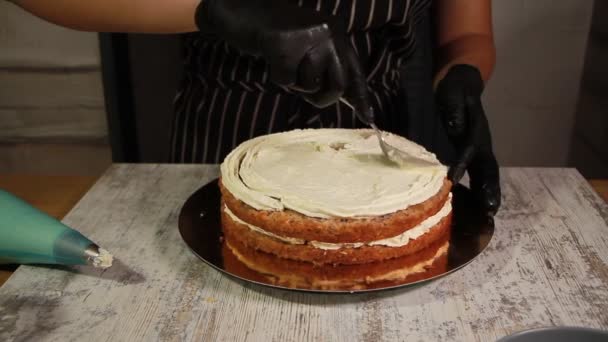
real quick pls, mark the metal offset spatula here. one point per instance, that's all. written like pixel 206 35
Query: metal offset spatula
pixel 391 152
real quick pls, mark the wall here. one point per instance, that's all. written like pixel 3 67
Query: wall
pixel 589 152
pixel 50 88
pixel 532 97
pixel 531 100
pixel 52 117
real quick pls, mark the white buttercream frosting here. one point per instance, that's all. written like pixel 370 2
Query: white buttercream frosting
pixel 327 173
pixel 396 241
pixel 290 240
pixel 399 240
pixel 103 260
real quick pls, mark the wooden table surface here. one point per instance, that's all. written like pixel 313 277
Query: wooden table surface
pixel 546 265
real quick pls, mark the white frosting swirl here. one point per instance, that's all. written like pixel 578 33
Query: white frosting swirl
pixel 327 173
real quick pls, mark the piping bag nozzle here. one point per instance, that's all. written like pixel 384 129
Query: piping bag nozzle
pixel 29 236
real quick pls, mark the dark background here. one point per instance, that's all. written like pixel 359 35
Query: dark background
pixel 141 74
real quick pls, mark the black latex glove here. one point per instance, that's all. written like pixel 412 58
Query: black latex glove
pixel 306 50
pixel 458 99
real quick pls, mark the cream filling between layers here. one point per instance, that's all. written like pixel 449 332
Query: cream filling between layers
pixel 296 281
pixel 403 273
pixel 327 173
pixel 395 241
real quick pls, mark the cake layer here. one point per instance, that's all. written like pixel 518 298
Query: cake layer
pixel 305 251
pixel 329 173
pixel 259 266
pixel 395 241
pixel 337 230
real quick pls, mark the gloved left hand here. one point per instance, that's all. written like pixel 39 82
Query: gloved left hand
pixel 458 99
pixel 306 51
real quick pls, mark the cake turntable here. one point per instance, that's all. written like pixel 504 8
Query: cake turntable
pixel 200 228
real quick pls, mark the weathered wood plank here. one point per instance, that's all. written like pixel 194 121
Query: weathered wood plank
pixel 42 104
pixel 66 122
pixel 26 40
pixel 50 79
pixel 547 265
pixel 55 158
pixel 51 89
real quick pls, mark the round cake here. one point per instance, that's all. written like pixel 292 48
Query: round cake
pixel 330 196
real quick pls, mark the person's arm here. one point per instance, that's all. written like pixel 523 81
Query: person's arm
pixel 306 51
pixel 466 58
pixel 464 36
pixel 146 16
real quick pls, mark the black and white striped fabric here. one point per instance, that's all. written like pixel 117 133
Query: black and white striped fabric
pixel 226 97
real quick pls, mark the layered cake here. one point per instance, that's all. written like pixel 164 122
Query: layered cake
pixel 297 202
pixel 267 268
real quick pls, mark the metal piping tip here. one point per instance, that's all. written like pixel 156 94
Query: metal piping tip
pixel 98 257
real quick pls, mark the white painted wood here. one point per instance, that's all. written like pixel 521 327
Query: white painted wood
pixel 64 89
pixel 80 157
pixel 547 265
pixel 76 122
pixel 27 41
pixel 65 103
pixel 50 80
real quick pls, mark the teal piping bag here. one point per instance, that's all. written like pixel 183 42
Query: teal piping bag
pixel 29 236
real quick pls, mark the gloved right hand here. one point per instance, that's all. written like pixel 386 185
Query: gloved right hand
pixel 306 50
pixel 459 104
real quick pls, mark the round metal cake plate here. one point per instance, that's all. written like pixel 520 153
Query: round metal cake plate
pixel 200 227
pixel 558 334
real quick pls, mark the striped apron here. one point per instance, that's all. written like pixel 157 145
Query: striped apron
pixel 226 97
